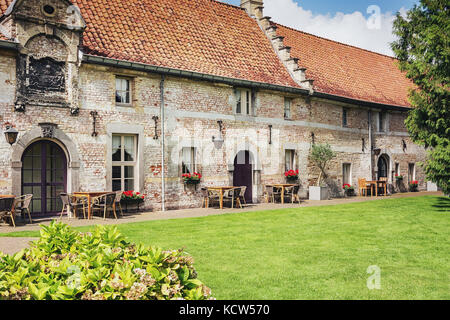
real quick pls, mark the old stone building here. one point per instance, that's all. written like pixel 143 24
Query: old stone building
pixel 129 95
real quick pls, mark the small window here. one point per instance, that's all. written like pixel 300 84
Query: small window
pixel 188 161
pixel 287 108
pixel 381 121
pixel 244 101
pixel 347 173
pixel 345 117
pixel 123 91
pixel 411 172
pixel 124 150
pixel 289 160
pixel 48 10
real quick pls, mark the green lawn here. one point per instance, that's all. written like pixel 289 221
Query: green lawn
pixel 316 252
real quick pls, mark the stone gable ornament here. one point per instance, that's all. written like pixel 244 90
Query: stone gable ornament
pixel 48 130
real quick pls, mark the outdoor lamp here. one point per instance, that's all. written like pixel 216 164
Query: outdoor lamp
pixel 218 142
pixel 11 135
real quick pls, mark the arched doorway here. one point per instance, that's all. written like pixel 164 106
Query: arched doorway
pixel 243 174
pixel 44 175
pixel 383 166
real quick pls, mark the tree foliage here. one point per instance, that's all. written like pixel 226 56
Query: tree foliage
pixel 321 155
pixel 423 50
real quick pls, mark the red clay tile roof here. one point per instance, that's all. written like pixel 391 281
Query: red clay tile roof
pixel 347 71
pixel 204 36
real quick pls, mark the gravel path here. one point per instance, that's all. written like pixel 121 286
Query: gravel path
pixel 13 245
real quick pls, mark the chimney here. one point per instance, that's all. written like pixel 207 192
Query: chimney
pixel 254 8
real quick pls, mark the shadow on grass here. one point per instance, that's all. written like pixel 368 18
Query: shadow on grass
pixel 442 204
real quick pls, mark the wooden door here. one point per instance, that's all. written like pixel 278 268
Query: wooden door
pixel 243 174
pixel 44 175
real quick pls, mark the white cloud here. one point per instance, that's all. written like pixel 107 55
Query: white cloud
pixel 373 32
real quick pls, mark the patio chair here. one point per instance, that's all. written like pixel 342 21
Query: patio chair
pixel 103 203
pixel 204 192
pixel 23 204
pixel 276 194
pixel 73 206
pixel 270 194
pixel 292 193
pixel 213 195
pixel 7 209
pixel 381 185
pixel 234 196
pixel 364 187
pixel 117 202
pixel 242 195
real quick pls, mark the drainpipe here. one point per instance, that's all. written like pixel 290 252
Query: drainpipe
pixel 163 157
pixel 369 116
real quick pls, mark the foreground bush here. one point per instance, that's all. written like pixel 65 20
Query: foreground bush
pixel 67 265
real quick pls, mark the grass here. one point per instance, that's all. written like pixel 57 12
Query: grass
pixel 315 252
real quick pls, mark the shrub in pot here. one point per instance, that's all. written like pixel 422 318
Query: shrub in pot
pixel 321 155
pixel 67 265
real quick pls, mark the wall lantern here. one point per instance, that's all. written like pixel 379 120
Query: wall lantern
pixel 270 133
pixel 377 152
pixel 218 142
pixel 156 118
pixel 11 135
pixel 94 115
pixel 404 146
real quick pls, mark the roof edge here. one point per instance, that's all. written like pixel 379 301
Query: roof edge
pixel 190 74
pixel 363 103
pixel 6 44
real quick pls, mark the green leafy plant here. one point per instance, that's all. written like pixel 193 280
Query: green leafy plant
pixel 321 155
pixel 66 265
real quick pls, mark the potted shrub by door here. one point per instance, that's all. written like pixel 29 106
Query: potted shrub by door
pixel 320 156
pixel 133 199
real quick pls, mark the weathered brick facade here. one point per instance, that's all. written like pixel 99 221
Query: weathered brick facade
pixel 192 109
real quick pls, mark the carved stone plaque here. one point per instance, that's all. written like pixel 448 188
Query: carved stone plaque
pixel 46 75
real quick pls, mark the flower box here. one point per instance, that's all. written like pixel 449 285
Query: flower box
pixel 349 190
pixel 414 186
pixel 192 178
pixel 291 175
pixel 132 199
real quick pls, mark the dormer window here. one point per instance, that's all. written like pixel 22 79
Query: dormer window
pixel 49 10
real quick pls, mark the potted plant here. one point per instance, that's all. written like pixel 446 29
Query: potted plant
pixel 291 176
pixel 349 190
pixel 132 198
pixel 398 177
pixel 321 155
pixel 414 186
pixel 191 178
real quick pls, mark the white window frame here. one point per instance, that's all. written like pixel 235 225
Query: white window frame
pixel 190 167
pixel 411 176
pixel 244 102
pixel 291 164
pixel 122 164
pixel 288 108
pixel 129 91
pixel 350 173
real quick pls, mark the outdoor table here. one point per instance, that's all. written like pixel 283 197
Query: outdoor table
pixel 89 196
pixel 221 191
pixel 375 183
pixel 283 187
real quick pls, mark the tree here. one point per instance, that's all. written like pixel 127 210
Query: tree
pixel 423 51
pixel 321 155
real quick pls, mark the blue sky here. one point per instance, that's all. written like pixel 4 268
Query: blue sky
pixel 347 6
pixel 347 21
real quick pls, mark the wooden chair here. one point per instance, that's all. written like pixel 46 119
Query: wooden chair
pixel 104 203
pixel 73 206
pixel 23 204
pixel 117 202
pixel 383 184
pixel 7 209
pixel 213 196
pixel 364 187
pixel 292 193
pixel 234 196
pixel 268 194
pixel 242 195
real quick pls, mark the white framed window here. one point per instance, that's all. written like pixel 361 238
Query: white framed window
pixel 411 172
pixel 347 173
pixel 123 91
pixel 289 156
pixel 188 160
pixel 124 161
pixel 287 108
pixel 244 101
